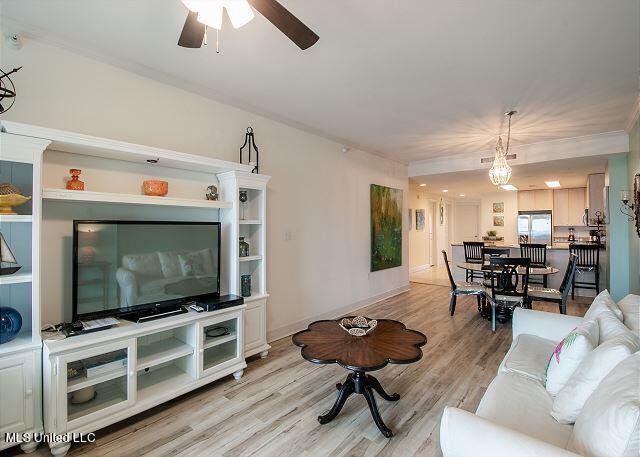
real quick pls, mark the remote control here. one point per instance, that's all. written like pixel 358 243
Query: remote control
pixel 196 308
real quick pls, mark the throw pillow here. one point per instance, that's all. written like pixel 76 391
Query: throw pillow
pixel 630 306
pixel 191 265
pixel 569 353
pixel 609 423
pixel 594 368
pixel 602 302
pixel 170 264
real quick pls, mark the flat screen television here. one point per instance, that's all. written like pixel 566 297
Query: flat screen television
pixel 123 267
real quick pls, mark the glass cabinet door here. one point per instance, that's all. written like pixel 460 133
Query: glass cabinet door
pixel 95 383
pixel 220 340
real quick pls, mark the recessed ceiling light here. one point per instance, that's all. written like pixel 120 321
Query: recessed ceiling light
pixel 508 187
pixel 445 190
pixel 462 195
pixel 423 185
pixel 552 183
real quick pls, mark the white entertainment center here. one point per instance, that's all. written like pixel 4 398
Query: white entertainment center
pixel 162 359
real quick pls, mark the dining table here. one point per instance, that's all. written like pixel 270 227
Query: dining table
pixel 487 268
pixel 490 269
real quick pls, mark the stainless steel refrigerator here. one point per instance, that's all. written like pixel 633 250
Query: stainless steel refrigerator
pixel 534 227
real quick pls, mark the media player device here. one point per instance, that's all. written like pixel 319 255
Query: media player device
pixel 216 303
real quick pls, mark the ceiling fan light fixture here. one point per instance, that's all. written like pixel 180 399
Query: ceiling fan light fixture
pixel 210 12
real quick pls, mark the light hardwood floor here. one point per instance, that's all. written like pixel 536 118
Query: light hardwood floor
pixel 272 410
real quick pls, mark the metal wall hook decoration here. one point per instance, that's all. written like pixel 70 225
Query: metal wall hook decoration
pixel 250 143
pixel 7 89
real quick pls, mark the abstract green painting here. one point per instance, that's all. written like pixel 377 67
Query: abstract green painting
pixel 386 227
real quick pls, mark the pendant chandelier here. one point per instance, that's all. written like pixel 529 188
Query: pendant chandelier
pixel 500 171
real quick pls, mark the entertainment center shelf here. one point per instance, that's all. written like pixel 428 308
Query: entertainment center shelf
pixel 16 278
pixel 163 351
pixel 130 199
pixel 15 218
pixel 164 358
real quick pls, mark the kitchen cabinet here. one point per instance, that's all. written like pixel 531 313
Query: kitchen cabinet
pixel 595 196
pixel 568 207
pixel 535 200
pixel 577 206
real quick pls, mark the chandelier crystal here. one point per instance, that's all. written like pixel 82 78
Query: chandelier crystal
pixel 500 171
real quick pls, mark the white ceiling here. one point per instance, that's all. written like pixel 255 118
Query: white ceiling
pixel 570 172
pixel 409 79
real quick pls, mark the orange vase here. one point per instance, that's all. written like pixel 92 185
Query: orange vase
pixel 74 183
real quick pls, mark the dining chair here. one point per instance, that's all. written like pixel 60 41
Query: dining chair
pixel 588 261
pixel 487 254
pixel 463 288
pixel 537 252
pixel 561 295
pixel 506 289
pixel 473 254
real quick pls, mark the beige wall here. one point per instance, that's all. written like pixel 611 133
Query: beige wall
pixel 510 229
pixel 634 239
pixel 419 252
pixel 318 194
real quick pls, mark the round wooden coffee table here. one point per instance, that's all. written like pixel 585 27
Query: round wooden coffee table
pixel 390 342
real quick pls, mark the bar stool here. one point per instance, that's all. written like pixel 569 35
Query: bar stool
pixel 588 261
pixel 537 252
pixel 473 254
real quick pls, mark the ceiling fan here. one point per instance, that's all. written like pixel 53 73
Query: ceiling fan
pixel 208 13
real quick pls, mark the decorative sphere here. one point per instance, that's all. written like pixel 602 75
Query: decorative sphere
pixel 10 324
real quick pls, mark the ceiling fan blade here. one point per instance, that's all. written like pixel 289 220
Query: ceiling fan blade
pixel 192 33
pixel 286 22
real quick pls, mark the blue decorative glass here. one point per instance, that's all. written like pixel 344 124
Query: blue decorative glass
pixel 10 324
pixel 245 285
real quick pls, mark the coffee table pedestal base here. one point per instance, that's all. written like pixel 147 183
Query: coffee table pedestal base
pixel 360 383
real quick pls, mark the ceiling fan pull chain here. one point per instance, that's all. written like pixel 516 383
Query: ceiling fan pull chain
pixel 217 41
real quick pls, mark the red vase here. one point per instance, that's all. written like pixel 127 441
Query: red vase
pixel 74 183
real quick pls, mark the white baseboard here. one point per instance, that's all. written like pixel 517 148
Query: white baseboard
pixel 420 268
pixel 290 329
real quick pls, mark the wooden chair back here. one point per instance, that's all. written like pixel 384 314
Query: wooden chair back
pixel 473 251
pixel 569 274
pixel 446 262
pixel 505 279
pixel 537 252
pixel 588 254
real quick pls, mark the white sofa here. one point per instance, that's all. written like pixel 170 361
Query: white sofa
pixel 514 416
pixel 159 276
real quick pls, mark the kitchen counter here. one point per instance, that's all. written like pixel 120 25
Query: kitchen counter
pixel 557 257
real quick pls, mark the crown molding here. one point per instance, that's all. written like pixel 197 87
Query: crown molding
pixel 633 116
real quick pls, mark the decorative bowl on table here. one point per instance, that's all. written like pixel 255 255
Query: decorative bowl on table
pixel 9 197
pixel 358 326
pixel 155 188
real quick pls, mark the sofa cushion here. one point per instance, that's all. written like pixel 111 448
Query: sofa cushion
pixel 196 263
pixel 143 264
pixel 569 353
pixel 630 306
pixel 594 368
pixel 529 356
pixel 609 424
pixel 522 404
pixel 609 327
pixel 602 302
pixel 170 264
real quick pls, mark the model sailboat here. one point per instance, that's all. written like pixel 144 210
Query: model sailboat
pixel 6 256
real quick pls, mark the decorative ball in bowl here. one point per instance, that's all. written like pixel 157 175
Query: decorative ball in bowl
pixel 155 188
pixel 358 326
